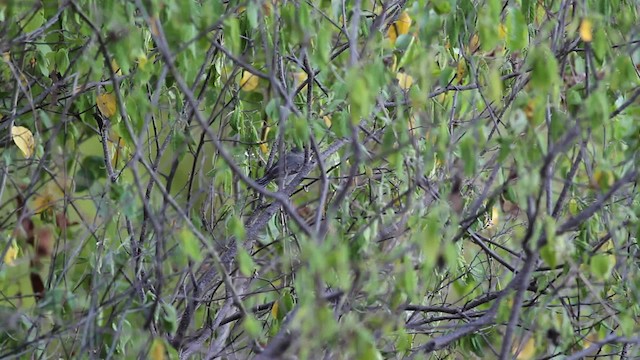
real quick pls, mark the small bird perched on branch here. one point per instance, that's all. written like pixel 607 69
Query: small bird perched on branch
pixel 288 166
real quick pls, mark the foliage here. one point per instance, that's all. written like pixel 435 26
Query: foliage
pixel 469 186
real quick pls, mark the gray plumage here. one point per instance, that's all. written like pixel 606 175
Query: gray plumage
pixel 292 162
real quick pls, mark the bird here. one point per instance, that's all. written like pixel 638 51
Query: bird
pixel 288 165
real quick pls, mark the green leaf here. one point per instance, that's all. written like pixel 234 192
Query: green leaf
pixel 252 326
pixel 190 244
pixel 624 75
pixel 237 228
pixel 404 341
pixel 245 263
pixel 232 34
pixel 91 170
pixel 359 96
pixel 517 30
pixel 441 6
pixel 548 255
pixel 322 50
pixel 597 108
pixel 252 14
pixel 601 265
pixel 287 300
pixel 468 155
pixel 544 74
pixel 488 24
pixel 62 60
pixel 33 22
pixel 168 318
pixel 494 85
pixel 600 43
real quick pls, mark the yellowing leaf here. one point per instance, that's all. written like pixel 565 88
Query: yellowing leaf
pixel 106 104
pixel 590 340
pixel 11 254
pixel 474 43
pixel 603 179
pixel 118 150
pixel 23 138
pixel 248 82
pixel 411 124
pixel 274 310
pixel 403 23
pixel 529 109
pixel 49 195
pixel 495 217
pixel 437 163
pixel 115 67
pixel 300 77
pixel 264 147
pixel 157 351
pixel 607 246
pixel 461 70
pixel 573 207
pixel 527 351
pixel 540 15
pixel 400 27
pixel 327 120
pixel 586 30
pixel 502 31
pixel 405 81
pixel 142 61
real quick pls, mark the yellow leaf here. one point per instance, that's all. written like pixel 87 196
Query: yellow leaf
pixel 249 82
pixel 403 23
pixel 11 254
pixel 607 246
pixel 541 14
pixel 603 179
pixel 590 339
pixel 529 109
pixel 142 61
pixel 157 351
pixel 264 147
pixel 474 43
pixel 274 310
pixel 608 250
pixel 502 31
pixel 461 70
pixel 24 140
pixel 51 193
pixel 115 67
pixel 495 217
pixel 327 120
pixel 400 27
pixel 437 163
pixel 300 77
pixel 405 81
pixel 106 104
pixel 573 207
pixel 586 30
pixel 267 6
pixel 527 351
pixel 411 124
pixel 118 150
